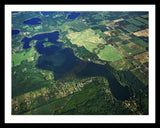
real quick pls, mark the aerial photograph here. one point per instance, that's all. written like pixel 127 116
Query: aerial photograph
pixel 80 63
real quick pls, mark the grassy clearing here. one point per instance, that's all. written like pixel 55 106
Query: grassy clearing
pixel 90 40
pixel 18 57
pixel 121 64
pixel 86 38
pixel 109 53
pixel 77 25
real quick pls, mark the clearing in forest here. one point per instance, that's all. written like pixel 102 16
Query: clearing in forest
pixel 90 40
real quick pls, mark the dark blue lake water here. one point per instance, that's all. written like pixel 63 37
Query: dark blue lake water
pixel 62 61
pixel 65 12
pixel 15 32
pixel 47 12
pixel 73 15
pixel 33 21
pixel 14 11
pixel 52 37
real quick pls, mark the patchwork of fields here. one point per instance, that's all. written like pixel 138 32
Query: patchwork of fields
pixel 131 42
pixel 90 40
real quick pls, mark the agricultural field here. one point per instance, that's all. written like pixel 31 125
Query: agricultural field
pixel 142 58
pixel 139 42
pixel 109 53
pixel 135 22
pixel 131 28
pixel 86 38
pixel 142 20
pixel 89 40
pixel 132 48
pixel 142 33
pixel 140 75
pixel 122 64
pixel 127 49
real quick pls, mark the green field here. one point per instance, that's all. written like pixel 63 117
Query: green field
pixel 142 20
pixel 109 53
pixel 139 41
pixel 122 64
pixel 132 28
pixel 135 22
pixel 127 49
pixel 141 76
pixel 50 108
pixel 18 57
pixel 90 40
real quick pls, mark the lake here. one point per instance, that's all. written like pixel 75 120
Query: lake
pixel 62 60
pixel 73 15
pixel 45 13
pixel 15 32
pixel 14 11
pixel 52 37
pixel 33 21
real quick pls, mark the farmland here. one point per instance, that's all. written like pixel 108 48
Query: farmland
pixel 86 38
pixel 135 22
pixel 122 64
pixel 109 53
pixel 142 33
pixel 89 40
pixel 139 41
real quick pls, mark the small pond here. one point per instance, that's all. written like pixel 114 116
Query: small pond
pixel 15 32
